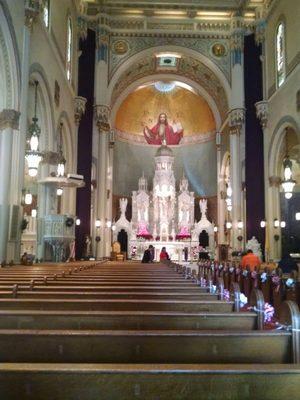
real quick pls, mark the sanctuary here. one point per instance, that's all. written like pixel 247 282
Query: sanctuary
pixel 164 216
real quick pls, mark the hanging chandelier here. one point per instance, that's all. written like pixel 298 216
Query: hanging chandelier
pixel 288 182
pixel 32 155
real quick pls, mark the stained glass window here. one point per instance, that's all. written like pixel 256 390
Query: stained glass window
pixel 69 49
pixel 280 54
pixel 46 13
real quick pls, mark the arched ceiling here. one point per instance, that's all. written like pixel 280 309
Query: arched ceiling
pixel 188 67
pixel 143 106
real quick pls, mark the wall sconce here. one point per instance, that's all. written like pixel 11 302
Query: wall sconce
pixel 228 225
pixel 98 223
pixel 240 224
pixel 276 223
pixel 297 216
pixel 113 228
pixel 33 213
pixel 108 224
pixel 28 198
pixel 282 224
pixel 59 191
pixel 215 229
pixel 262 224
pixel 61 159
pixel 77 221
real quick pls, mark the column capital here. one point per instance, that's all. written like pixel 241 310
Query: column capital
pixel 112 138
pixel 32 10
pixel 236 120
pixel 262 112
pixel 79 108
pixel 82 27
pixel 260 31
pixel 274 181
pixel 102 115
pixel 236 42
pixel 9 119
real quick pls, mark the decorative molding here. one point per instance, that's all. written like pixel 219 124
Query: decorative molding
pixel 140 43
pixel 102 116
pixel 9 119
pixel 82 27
pixel 32 10
pixel 236 120
pixel 262 112
pixel 79 108
pixel 237 39
pixel 274 181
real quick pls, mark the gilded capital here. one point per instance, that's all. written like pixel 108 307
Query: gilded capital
pixel 236 120
pixel 32 10
pixel 102 115
pixel 262 112
pixel 9 119
pixel 79 108
pixel 82 27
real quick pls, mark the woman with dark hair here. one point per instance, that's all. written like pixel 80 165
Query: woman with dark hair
pixel 164 255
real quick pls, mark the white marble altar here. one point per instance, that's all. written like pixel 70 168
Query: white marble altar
pixel 164 217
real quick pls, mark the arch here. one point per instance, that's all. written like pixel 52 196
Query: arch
pixel 277 140
pixel 9 62
pixel 176 49
pixel 36 72
pixel 199 89
pixel 224 165
pixel 67 141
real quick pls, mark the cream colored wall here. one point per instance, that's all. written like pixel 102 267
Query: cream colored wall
pixel 289 12
pixel 46 52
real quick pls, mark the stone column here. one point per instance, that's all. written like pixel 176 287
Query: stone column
pixel 221 210
pixel 262 113
pixel 273 212
pixel 237 128
pixel 102 114
pixel 9 121
pixel 236 124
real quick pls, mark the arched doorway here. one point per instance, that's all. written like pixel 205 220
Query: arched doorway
pixel 204 239
pixel 123 240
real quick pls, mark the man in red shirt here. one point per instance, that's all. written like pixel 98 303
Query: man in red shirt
pixel 250 260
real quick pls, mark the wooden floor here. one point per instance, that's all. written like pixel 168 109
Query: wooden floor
pixel 133 331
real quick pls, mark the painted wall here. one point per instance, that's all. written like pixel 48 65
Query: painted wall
pixel 198 163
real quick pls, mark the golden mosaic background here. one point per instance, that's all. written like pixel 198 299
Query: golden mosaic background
pixel 143 106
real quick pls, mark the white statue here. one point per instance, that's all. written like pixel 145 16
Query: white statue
pixel 185 214
pixel 123 205
pixel 203 207
pixel 254 245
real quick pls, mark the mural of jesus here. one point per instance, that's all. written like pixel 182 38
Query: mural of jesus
pixel 163 132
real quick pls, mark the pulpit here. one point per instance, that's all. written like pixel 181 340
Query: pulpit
pixel 59 232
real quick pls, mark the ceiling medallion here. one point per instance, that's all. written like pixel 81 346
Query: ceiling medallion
pixel 120 47
pixel 218 50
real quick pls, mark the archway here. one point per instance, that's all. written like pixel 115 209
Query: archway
pixel 123 240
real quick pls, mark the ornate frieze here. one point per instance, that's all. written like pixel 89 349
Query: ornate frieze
pixel 9 119
pixel 79 108
pixel 102 115
pixel 262 112
pixel 32 9
pixel 236 120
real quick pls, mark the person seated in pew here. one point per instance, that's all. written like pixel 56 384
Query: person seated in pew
pixel 148 256
pixel 250 260
pixel 287 264
pixel 164 255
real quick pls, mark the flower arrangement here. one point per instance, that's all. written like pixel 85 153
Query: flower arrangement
pixel 202 282
pixel 226 295
pixel 290 282
pixel 243 300
pixel 263 277
pixel 268 313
